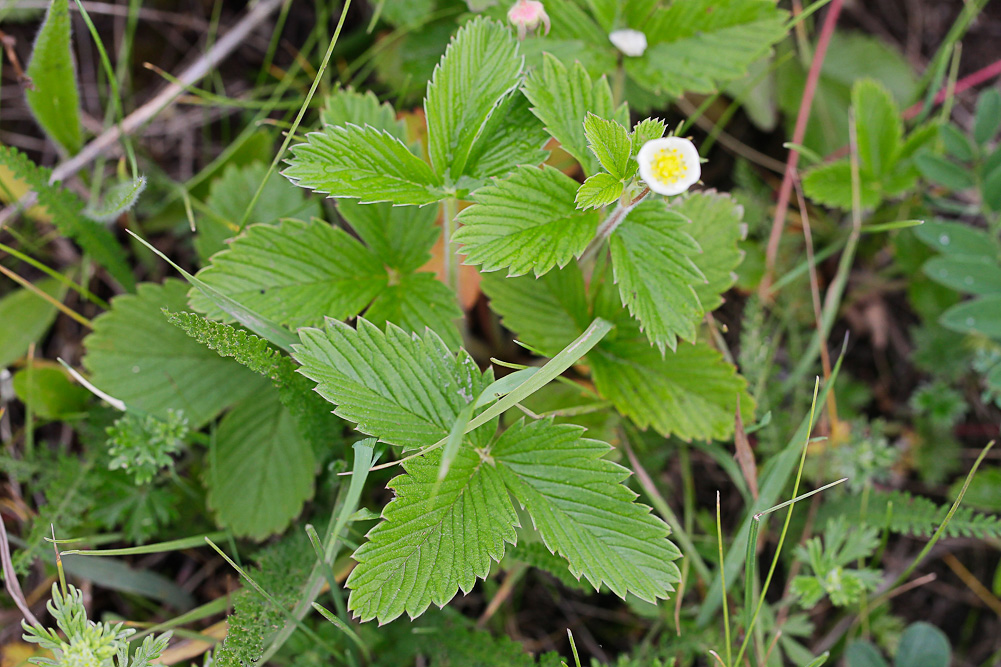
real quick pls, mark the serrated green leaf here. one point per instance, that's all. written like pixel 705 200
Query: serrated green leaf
pixel 260 469
pixel 970 274
pixel 134 355
pixel 598 190
pixel 119 198
pixel 879 126
pixel 610 143
pixel 227 202
pixel 697 44
pixel 583 512
pixel 66 211
pixel 53 96
pixel 546 313
pixel 345 105
pixel 831 185
pixel 716 226
pixel 295 273
pixel 944 172
pixel 646 130
pixel 981 315
pixel 434 539
pixel 416 301
pixel 527 222
pixel 479 67
pixel 511 137
pixel 652 261
pixel 988 116
pixel 362 163
pixel 956 238
pixel 26 317
pixel 562 98
pixel 401 236
pixel 404 389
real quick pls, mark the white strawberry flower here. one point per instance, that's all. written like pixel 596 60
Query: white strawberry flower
pixel 669 165
pixel 630 42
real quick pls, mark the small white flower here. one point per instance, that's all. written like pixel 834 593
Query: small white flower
pixel 631 42
pixel 670 165
pixel 527 15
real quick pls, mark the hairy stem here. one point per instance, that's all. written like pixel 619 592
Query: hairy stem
pixel 450 258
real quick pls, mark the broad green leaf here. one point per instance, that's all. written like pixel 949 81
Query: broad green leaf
pixel 583 512
pixel 66 211
pixel 830 184
pixel 698 44
pixel 134 355
pixel 562 98
pixel 652 260
pixel 26 317
pixel 344 106
pixel 923 645
pixel 546 313
pixel 228 199
pixel 981 315
pixel 434 539
pixel 479 67
pixel 401 236
pixel 646 130
pixel 527 222
pixel 50 392
pixel 295 273
pixel 404 389
pixel 716 226
pixel 418 301
pixel 260 469
pixel 944 172
pixel 610 143
pixel 970 274
pixel 119 198
pixel 956 238
pixel 878 125
pixel 53 96
pixel 512 136
pixel 987 120
pixel 598 190
pixel 861 653
pixel 362 163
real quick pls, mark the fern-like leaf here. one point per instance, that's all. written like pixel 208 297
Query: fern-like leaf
pixel 911 515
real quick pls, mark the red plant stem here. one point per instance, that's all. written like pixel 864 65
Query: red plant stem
pixel 967 82
pixel 785 192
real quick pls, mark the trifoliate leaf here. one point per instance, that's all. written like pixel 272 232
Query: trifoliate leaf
pixel 610 143
pixel 401 236
pixel 562 98
pixel 344 106
pixel 434 539
pixel 527 222
pixel 295 273
pixel 417 301
pixel 228 199
pixel 479 67
pixel 716 226
pixel 546 313
pixel 690 392
pixel 404 389
pixel 652 257
pixel 53 96
pixel 136 356
pixel 583 512
pixel 362 163
pixel 598 190
pixel 698 44
pixel 260 468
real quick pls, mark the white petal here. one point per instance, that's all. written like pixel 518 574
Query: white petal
pixel 630 42
pixel 689 156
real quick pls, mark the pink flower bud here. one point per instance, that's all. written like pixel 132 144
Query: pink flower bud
pixel 528 15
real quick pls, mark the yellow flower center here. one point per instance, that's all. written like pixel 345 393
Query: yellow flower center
pixel 669 166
